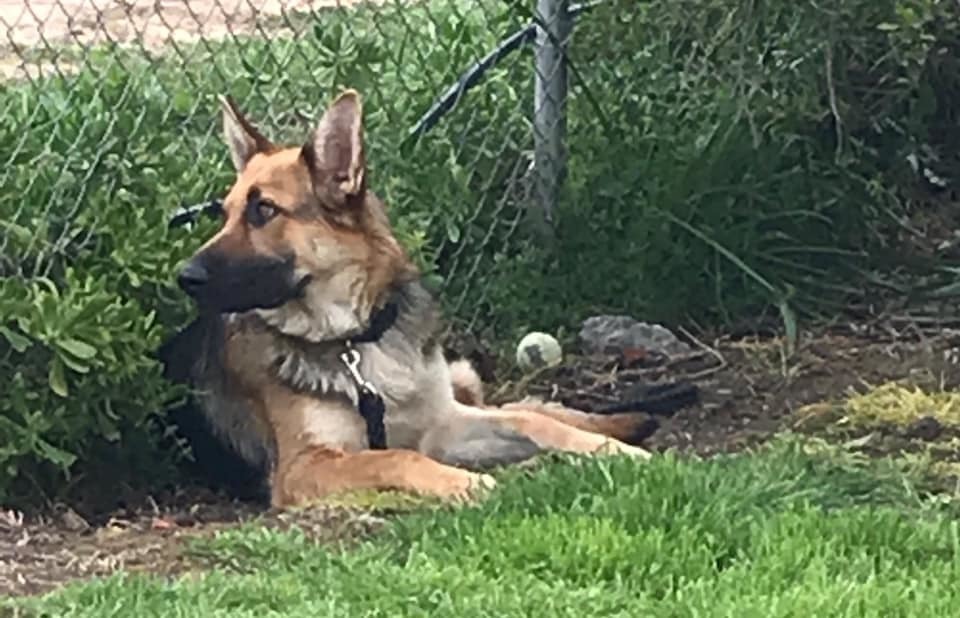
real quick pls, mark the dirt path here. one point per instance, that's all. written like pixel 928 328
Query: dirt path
pixel 749 390
pixel 32 25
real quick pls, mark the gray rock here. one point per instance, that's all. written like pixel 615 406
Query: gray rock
pixel 612 334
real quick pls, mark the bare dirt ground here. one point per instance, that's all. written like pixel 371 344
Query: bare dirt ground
pixel 38 556
pixel 34 26
pixel 749 389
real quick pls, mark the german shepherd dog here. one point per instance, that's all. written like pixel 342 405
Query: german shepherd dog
pixel 320 355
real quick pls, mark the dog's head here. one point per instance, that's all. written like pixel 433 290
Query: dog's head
pixel 298 221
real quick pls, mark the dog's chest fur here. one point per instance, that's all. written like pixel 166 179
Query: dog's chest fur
pixel 406 365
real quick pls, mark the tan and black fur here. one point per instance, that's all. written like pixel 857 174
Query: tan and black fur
pixel 304 258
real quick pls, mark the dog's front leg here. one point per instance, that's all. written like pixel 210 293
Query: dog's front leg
pixel 321 450
pixel 318 471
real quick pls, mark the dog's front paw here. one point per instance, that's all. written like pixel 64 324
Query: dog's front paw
pixel 615 447
pixel 464 486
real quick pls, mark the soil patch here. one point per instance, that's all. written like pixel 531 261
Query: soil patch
pixel 40 555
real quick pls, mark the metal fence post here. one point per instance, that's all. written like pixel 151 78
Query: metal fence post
pixel 549 116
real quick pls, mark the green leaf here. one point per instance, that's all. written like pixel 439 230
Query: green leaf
pixel 453 232
pixel 18 233
pixel 56 455
pixel 182 99
pixel 77 348
pixel 790 325
pixel 58 383
pixel 74 364
pixel 17 341
pixel 433 282
pixel 108 429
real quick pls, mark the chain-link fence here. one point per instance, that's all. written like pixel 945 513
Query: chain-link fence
pixel 119 127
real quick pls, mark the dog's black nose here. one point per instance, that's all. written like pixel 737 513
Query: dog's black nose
pixel 193 277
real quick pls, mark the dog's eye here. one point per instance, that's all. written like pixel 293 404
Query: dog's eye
pixel 260 212
pixel 266 211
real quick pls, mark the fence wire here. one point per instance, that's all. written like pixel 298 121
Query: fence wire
pixel 109 123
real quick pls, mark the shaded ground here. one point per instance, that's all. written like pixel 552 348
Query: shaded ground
pixel 40 555
pixel 749 389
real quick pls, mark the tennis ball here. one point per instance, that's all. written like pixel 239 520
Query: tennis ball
pixel 538 350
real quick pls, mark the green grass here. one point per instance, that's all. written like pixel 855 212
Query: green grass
pixel 780 533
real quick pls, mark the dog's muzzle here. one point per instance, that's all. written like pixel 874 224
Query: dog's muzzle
pixel 233 285
pixel 193 277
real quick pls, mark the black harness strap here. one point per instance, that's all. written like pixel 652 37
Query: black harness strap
pixel 369 401
pixel 380 322
pixel 371 408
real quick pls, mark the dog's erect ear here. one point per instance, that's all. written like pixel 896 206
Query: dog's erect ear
pixel 243 139
pixel 334 151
